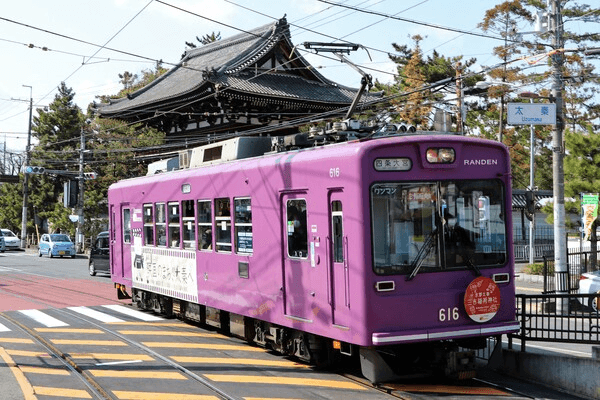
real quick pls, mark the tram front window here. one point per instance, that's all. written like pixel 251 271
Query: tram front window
pixel 432 226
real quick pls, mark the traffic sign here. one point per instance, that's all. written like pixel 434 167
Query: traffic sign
pixel 531 114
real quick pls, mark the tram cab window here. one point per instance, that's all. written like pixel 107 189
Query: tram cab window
pixel 126 225
pixel 174 230
pixel 161 224
pixel 148 225
pixel 433 226
pixel 223 225
pixel 189 225
pixel 296 225
pixel 243 225
pixel 204 225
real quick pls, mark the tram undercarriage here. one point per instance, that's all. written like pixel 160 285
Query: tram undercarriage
pixel 376 364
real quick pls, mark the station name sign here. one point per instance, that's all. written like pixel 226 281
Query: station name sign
pixel 531 114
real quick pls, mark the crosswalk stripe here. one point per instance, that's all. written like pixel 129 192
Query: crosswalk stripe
pixel 61 392
pixel 172 333
pixel 209 346
pixel 111 356
pixel 107 373
pixel 69 330
pixel 16 340
pixel 238 361
pixel 28 353
pixel 43 370
pixel 123 395
pixel 43 319
pixel 90 342
pixel 284 381
pixel 97 315
pixel 133 313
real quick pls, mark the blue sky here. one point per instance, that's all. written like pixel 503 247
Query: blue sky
pixel 153 30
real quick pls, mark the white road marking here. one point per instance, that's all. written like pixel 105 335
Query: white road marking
pixel 133 313
pixel 43 319
pixel 97 315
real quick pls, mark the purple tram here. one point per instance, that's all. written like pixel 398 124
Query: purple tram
pixel 396 250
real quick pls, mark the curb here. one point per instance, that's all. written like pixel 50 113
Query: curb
pixel 521 277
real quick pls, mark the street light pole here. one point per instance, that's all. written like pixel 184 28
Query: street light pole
pixel 25 175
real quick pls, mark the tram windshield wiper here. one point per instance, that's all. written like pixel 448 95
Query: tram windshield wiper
pixel 422 254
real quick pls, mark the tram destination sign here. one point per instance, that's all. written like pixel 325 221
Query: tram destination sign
pixel 531 114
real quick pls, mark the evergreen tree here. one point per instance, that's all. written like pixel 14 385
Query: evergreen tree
pixel 415 73
pixel 58 132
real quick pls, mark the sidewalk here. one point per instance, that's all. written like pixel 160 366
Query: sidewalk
pixel 521 276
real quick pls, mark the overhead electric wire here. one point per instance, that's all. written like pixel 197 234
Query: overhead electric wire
pixel 428 24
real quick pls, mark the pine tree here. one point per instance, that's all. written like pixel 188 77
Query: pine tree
pixel 58 132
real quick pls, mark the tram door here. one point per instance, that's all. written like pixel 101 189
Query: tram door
pixel 297 271
pixel 120 238
pixel 338 262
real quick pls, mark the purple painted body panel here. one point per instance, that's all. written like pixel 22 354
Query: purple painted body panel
pixel 315 294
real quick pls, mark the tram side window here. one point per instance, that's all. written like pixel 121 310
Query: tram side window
pixel 223 225
pixel 297 231
pixel 189 226
pixel 337 230
pixel 174 233
pixel 126 225
pixel 204 225
pixel 161 224
pixel 148 225
pixel 243 225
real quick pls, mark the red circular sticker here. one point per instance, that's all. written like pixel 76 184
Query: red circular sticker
pixel 482 299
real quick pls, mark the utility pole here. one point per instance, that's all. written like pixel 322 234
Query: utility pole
pixel 532 188
pixel 558 176
pixel 459 97
pixel 79 234
pixel 25 175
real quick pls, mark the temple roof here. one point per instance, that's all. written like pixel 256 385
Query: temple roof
pixel 260 63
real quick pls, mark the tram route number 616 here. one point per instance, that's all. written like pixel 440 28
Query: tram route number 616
pixel 448 314
pixel 334 172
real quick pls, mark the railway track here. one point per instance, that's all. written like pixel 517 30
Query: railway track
pixel 205 364
pixel 155 353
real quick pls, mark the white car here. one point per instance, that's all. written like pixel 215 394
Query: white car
pixel 590 284
pixel 11 241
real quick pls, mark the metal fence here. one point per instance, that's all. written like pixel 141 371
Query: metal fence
pixel 556 318
pixel 567 281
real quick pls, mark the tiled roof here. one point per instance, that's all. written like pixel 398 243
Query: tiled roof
pixel 226 62
pixel 289 87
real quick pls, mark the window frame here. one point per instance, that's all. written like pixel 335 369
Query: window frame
pixel 173 225
pixel 222 223
pixel 302 253
pixel 188 229
pixel 160 223
pixel 148 223
pixel 247 250
pixel 205 224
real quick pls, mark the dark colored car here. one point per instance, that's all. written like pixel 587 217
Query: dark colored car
pixel 99 260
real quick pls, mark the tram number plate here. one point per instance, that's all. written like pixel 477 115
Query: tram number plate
pixel 448 314
pixel 61 253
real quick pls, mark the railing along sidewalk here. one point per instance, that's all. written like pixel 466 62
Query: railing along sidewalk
pixel 556 318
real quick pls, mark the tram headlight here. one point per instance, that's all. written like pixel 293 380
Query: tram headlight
pixel 441 155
